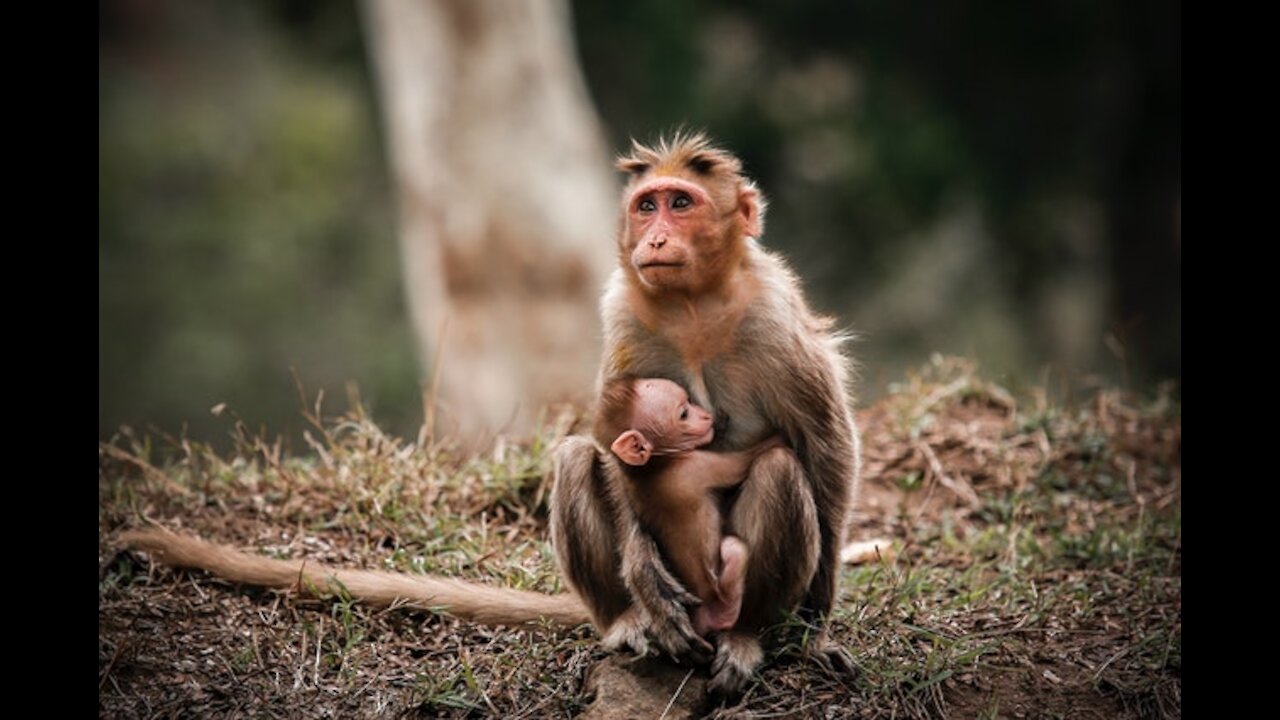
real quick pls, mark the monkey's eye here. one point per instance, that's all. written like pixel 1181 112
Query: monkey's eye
pixel 684 413
pixel 681 201
pixel 647 205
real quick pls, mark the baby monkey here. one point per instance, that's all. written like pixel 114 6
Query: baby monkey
pixel 653 428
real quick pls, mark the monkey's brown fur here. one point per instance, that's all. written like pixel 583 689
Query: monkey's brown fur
pixel 726 319
pixel 698 301
pixel 655 431
pixel 469 600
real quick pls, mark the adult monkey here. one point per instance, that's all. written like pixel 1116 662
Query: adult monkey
pixel 698 301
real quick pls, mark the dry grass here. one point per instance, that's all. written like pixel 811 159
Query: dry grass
pixel 1038 572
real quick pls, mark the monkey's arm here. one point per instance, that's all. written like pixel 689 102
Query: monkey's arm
pixel 651 584
pixel 725 469
pixel 609 559
pixel 662 595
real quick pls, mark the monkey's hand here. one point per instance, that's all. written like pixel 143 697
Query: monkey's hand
pixel 666 602
pixel 769 443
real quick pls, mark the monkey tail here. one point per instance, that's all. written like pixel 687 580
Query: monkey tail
pixel 473 601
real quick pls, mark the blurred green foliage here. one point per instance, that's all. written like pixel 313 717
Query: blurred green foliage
pixel 999 180
pixel 244 223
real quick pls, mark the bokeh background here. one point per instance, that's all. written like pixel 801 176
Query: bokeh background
pixel 1000 180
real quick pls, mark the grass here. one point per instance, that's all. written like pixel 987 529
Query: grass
pixel 1037 573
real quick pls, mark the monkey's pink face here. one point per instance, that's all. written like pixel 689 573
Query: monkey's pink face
pixel 662 412
pixel 672 226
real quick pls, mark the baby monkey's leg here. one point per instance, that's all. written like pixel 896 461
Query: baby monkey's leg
pixel 720 612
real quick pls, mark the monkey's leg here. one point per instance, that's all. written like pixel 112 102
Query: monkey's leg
pixel 775 515
pixel 720 612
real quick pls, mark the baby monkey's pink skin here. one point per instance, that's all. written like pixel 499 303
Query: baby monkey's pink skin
pixel 672 488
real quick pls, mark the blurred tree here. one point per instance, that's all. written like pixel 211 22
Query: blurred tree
pixel 505 201
pixel 1000 180
pixel 245 224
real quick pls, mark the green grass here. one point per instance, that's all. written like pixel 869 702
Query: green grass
pixel 1037 569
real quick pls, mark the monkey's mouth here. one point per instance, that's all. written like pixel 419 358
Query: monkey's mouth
pixel 646 266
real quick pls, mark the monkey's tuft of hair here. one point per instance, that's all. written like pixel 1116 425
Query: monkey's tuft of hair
pixel 681 150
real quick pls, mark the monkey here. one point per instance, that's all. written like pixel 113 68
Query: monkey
pixel 650 425
pixel 696 299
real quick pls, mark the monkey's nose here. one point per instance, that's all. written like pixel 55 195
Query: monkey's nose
pixel 657 242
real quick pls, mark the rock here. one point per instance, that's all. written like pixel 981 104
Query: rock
pixel 625 689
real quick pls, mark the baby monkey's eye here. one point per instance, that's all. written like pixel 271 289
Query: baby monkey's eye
pixel 684 413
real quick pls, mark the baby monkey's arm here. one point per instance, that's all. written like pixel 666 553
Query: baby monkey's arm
pixel 726 469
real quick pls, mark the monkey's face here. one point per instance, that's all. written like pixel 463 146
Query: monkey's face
pixel 664 414
pixel 676 232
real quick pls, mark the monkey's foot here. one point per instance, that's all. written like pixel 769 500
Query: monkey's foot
pixel 832 658
pixel 676 637
pixel 737 657
pixel 627 633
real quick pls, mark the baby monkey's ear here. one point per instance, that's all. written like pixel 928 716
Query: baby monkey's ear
pixel 632 448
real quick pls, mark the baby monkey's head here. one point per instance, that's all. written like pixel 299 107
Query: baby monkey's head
pixel 638 418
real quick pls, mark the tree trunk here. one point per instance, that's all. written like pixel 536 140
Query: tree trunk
pixel 505 198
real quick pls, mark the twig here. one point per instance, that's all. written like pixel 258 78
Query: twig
pixel 962 489
pixel 146 467
pixel 106 673
pixel 672 701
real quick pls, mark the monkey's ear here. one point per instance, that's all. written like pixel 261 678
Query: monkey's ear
pixel 751 206
pixel 632 448
pixel 637 162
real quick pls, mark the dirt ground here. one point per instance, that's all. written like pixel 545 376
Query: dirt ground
pixel 1036 571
